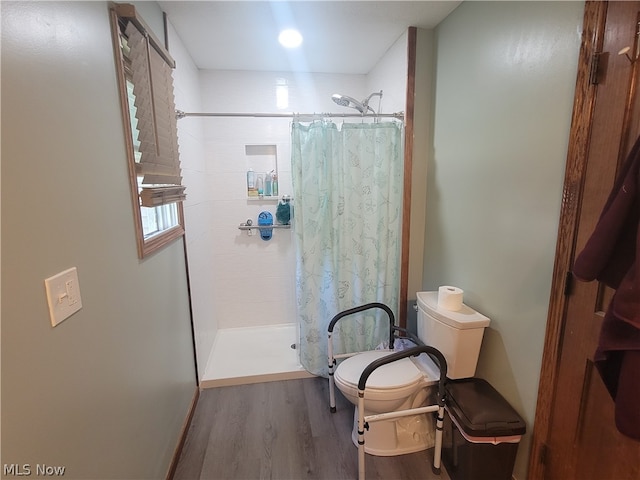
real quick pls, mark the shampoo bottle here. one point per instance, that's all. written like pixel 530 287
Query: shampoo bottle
pixel 251 183
pixel 268 185
pixel 260 186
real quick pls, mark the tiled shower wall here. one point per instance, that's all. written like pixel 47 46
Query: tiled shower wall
pixel 253 280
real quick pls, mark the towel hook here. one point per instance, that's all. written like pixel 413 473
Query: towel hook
pixel 625 51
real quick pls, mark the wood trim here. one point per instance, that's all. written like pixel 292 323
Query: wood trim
pixel 630 130
pixel 579 139
pixel 408 166
pixel 158 241
pixel 128 11
pixel 124 109
pixel 183 435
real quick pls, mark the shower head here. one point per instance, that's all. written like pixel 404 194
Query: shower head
pixel 346 101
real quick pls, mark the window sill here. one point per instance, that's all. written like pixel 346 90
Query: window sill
pixel 156 242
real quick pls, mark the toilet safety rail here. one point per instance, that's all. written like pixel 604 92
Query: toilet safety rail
pixel 332 358
pixel 363 421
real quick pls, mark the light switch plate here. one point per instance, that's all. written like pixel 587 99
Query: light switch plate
pixel 63 295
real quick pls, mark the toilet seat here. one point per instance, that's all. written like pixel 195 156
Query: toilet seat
pixel 396 379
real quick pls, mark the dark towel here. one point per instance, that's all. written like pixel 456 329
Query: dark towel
pixel 612 255
pixel 617 359
pixel 627 409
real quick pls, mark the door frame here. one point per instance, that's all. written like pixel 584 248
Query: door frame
pixel 579 140
pixel 412 34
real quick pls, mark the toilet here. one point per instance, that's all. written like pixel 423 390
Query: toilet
pixel 407 383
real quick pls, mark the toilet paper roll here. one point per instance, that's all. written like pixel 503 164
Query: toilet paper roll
pixel 450 298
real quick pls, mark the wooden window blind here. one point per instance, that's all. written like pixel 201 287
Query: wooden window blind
pixel 150 69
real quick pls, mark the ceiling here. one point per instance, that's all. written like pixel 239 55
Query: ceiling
pixel 347 36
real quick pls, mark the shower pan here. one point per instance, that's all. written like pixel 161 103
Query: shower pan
pixel 253 355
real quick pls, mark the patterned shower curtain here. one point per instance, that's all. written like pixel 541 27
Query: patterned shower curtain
pixel 347 185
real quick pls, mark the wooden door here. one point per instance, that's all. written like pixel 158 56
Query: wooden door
pixel 575 435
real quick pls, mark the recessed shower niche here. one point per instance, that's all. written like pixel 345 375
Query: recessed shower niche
pixel 262 172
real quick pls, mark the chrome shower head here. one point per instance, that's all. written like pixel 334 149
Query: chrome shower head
pixel 346 101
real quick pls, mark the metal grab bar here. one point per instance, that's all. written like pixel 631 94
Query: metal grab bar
pixel 244 226
pixel 332 324
pixel 434 353
pixel 410 352
pixel 362 308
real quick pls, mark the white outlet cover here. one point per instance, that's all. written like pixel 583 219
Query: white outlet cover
pixel 63 295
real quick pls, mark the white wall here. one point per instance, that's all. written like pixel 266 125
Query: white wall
pixel 390 76
pixel 504 93
pixel 106 392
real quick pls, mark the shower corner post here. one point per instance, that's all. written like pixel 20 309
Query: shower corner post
pixel 191 317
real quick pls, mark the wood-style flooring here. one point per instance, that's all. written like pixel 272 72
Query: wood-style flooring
pixel 283 430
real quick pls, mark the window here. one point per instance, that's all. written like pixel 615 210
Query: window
pixel 144 69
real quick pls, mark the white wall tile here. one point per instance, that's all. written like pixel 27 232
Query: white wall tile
pixel 253 279
pixel 251 276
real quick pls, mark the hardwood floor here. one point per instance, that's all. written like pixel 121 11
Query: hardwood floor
pixel 283 430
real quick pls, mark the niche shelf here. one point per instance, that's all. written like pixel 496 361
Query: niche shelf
pixel 264 198
pixel 262 159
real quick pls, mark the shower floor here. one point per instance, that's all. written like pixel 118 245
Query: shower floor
pixel 253 355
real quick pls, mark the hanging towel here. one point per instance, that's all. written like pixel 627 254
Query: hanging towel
pixel 612 256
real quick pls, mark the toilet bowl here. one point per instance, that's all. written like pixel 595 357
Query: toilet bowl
pixel 400 385
pixel 409 382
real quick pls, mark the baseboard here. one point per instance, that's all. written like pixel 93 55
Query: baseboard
pixel 183 435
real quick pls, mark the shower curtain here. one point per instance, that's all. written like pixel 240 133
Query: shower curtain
pixel 347 185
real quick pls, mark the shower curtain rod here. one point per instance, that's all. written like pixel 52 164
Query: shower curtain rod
pixel 399 115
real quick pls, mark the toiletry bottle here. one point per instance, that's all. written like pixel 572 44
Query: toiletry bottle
pixel 274 184
pixel 251 183
pixel 267 185
pixel 260 185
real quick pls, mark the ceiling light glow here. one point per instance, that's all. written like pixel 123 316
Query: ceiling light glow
pixel 290 38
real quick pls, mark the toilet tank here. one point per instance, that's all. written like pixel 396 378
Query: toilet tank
pixel 458 335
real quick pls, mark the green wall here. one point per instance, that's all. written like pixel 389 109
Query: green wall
pixel 505 76
pixel 105 393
